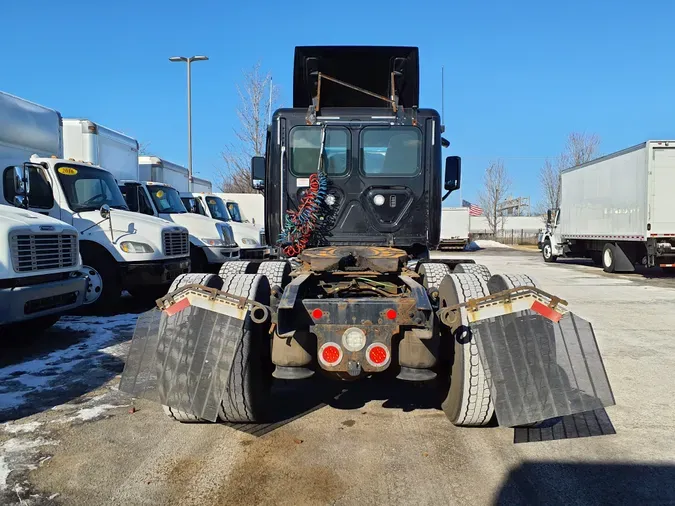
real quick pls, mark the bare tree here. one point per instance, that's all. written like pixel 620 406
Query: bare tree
pixel 251 134
pixel 579 148
pixel 143 148
pixel 496 186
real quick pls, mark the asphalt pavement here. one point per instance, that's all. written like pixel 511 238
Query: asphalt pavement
pixel 70 437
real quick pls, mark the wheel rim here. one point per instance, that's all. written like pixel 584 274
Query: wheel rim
pixel 607 257
pixel 94 285
pixel 547 250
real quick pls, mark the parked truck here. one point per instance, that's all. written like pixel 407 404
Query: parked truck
pixel 209 243
pixel 344 300
pixel 454 228
pixel 120 250
pixel 617 210
pixel 251 206
pixel 249 237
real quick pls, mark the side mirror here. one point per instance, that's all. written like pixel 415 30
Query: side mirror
pixel 258 172
pixel 105 211
pixel 453 173
pixel 548 216
pixel 21 181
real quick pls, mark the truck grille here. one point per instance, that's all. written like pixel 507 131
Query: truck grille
pixel 39 252
pixel 176 243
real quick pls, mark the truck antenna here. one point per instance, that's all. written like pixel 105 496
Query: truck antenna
pixel 442 98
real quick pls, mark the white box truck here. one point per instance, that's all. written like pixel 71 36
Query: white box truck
pixel 249 237
pixel 454 228
pixel 617 210
pixel 212 241
pixel 251 206
pixel 154 168
pixel 120 249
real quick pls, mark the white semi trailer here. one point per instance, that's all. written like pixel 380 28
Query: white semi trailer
pixel 454 228
pixel 617 210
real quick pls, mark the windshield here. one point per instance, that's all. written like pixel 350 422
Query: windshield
pixel 166 199
pixel 306 145
pixel 88 188
pixel 217 208
pixel 391 151
pixel 235 214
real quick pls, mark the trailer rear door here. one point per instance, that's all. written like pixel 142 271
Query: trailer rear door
pixel 662 202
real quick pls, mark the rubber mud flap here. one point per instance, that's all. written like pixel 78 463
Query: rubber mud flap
pixel 538 369
pixel 182 360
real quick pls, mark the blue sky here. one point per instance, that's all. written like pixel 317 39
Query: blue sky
pixel 519 75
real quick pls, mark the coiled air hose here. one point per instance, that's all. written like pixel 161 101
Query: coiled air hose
pixel 301 225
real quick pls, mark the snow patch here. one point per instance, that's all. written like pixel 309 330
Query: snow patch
pixel 486 243
pixel 16 455
pixel 91 413
pixel 17 428
pixel 62 368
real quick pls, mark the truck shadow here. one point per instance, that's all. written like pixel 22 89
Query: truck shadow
pixel 553 483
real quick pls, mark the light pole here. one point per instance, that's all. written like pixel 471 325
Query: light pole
pixel 189 94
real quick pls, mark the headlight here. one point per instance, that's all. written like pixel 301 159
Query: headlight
pixel 214 242
pixel 136 247
pixel 251 242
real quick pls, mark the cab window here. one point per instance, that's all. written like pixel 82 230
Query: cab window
pixel 305 144
pixel 193 205
pixel 391 151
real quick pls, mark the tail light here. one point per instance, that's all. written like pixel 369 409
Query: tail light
pixel 378 355
pixel 330 354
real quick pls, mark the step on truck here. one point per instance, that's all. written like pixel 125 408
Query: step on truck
pixel 355 293
pixel 120 249
pixel 209 243
pixel 617 210
pixel 249 237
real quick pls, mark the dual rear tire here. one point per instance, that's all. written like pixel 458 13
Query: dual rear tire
pixel 246 397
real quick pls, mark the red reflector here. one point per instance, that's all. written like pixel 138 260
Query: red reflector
pixel 177 307
pixel 546 311
pixel 391 314
pixel 331 354
pixel 317 313
pixel 378 355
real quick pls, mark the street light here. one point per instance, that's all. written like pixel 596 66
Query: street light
pixel 189 94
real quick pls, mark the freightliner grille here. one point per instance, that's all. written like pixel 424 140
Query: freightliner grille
pixel 40 252
pixel 176 243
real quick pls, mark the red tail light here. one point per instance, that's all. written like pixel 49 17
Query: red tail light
pixel 330 354
pixel 391 314
pixel 317 314
pixel 378 355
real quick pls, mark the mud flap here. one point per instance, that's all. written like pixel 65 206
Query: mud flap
pixel 181 357
pixel 541 366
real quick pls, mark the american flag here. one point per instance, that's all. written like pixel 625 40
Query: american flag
pixel 474 210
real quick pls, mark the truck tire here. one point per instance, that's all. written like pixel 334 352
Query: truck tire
pixel 278 273
pixel 110 284
pixel 547 252
pixel 233 267
pixel 248 389
pixel 468 401
pixel 432 274
pixel 479 270
pixel 609 258
pixel 212 281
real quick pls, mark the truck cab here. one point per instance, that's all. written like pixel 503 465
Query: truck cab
pixel 119 250
pixel 41 272
pixel 211 241
pixel 249 237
